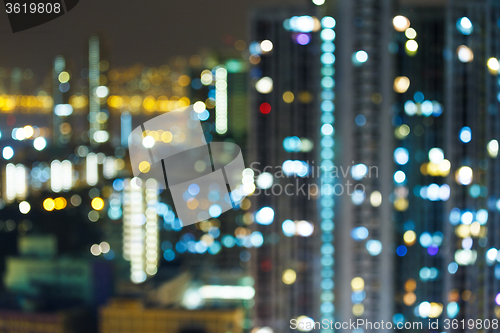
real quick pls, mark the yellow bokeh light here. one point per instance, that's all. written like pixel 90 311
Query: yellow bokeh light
pixel 376 198
pixel 410 285
pixel 115 101
pixel 463 231
pixel 184 80
pixel 410 33
pixel 209 240
pixel 60 203
pixel 475 228
pixel 119 164
pixel 97 203
pixel 433 169
pixel 156 80
pixel 245 204
pixel 492 148
pixel 79 102
pixel 149 103
pixel 357 284
pixel 401 204
pixel 423 169
pixel 48 204
pixel 154 134
pixel 64 77
pixel 29 131
pixel 410 237
pixel 358 310
pixel 411 47
pixel 444 168
pixel 288 97
pixel 409 299
pixel 305 97
pixel 402 131
pixel 210 103
pixel 493 65
pixel 166 137
pixel 183 102
pixel 206 77
pixel 199 107
pixel 401 84
pixel 192 203
pixel 289 276
pixel 317 23
pixel 144 167
pixel 436 310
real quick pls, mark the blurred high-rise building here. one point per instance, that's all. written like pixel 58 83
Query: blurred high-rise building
pixel 364 230
pixel 472 130
pixel 284 142
pixel 420 189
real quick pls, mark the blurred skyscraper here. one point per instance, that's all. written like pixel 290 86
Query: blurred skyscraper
pixel 472 133
pixel 284 142
pixel 364 231
pixel 420 191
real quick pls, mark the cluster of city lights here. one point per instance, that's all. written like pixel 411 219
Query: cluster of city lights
pixel 302 27
pixel 12 103
pixel 402 24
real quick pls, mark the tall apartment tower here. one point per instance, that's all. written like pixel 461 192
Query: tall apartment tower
pixel 472 130
pixel 421 192
pixel 364 228
pixel 284 145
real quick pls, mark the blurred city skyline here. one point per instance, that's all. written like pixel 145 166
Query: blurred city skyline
pixel 408 88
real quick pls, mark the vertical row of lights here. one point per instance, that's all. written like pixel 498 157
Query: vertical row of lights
pixel 92 169
pixel 94 100
pixel 55 176
pixel 327 144
pixel 10 182
pixel 221 100
pixel 109 169
pixel 67 175
pixel 21 182
pixel 133 234
pixel 127 218
pixel 57 95
pixel 152 231
pixel 16 185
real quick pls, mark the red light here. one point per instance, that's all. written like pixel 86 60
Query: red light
pixel 265 108
pixel 266 266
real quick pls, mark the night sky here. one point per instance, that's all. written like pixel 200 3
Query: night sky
pixel 146 31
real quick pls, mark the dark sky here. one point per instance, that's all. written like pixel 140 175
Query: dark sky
pixel 147 31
